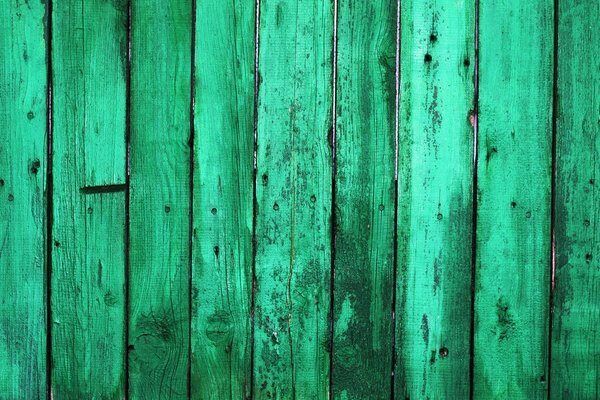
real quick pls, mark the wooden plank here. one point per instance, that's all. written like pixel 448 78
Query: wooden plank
pixel 435 185
pixel 365 199
pixel 575 371
pixel 513 260
pixel 103 39
pixel 293 228
pixel 88 230
pixel 88 284
pixel 223 200
pixel 160 199
pixel 22 199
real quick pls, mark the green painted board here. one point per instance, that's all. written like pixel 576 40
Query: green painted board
pixel 159 203
pixel 102 36
pixel 365 198
pixel 435 186
pixel 575 372
pixel 93 35
pixel 88 284
pixel 513 260
pixel 88 229
pixel 22 200
pixel 223 200
pixel 293 189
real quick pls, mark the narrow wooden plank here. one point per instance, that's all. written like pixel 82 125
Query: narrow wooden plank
pixel 103 39
pixel 88 283
pixel 160 199
pixel 435 185
pixel 514 199
pixel 22 199
pixel 88 230
pixel 365 199
pixel 293 228
pixel 575 368
pixel 223 200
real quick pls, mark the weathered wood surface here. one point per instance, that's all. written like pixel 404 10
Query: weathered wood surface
pixel 365 197
pixel 339 261
pixel 293 189
pixel 575 348
pixel 159 203
pixel 513 263
pixel 223 200
pixel 89 58
pixel 435 185
pixel 22 199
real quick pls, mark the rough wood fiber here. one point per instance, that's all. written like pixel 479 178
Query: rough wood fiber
pixel 22 199
pixel 293 231
pixel 159 199
pixel 435 184
pixel 89 50
pixel 223 200
pixel 513 199
pixel 575 372
pixel 365 198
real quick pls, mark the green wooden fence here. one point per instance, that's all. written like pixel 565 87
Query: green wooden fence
pixel 299 199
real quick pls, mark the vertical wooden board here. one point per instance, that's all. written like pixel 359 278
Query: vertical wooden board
pixel 435 186
pixel 22 199
pixel 88 229
pixel 223 200
pixel 513 199
pixel 293 228
pixel 103 39
pixel 160 199
pixel 92 59
pixel 88 283
pixel 575 371
pixel 365 199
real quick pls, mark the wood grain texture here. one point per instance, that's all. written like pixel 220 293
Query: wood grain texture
pixel 513 260
pixel 293 228
pixel 88 230
pixel 575 372
pixel 22 200
pixel 365 199
pixel 160 199
pixel 435 185
pixel 88 284
pixel 102 35
pixel 223 200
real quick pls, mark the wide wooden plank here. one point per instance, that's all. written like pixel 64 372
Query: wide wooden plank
pixel 159 202
pixel 365 199
pixel 293 227
pixel 575 371
pixel 88 230
pixel 22 199
pixel 223 200
pixel 513 260
pixel 435 185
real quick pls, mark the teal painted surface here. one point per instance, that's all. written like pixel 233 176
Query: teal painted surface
pixel 87 281
pixel 22 200
pixel 514 171
pixel 365 194
pixel 347 139
pixel 575 347
pixel 223 201
pixel 293 190
pixel 435 204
